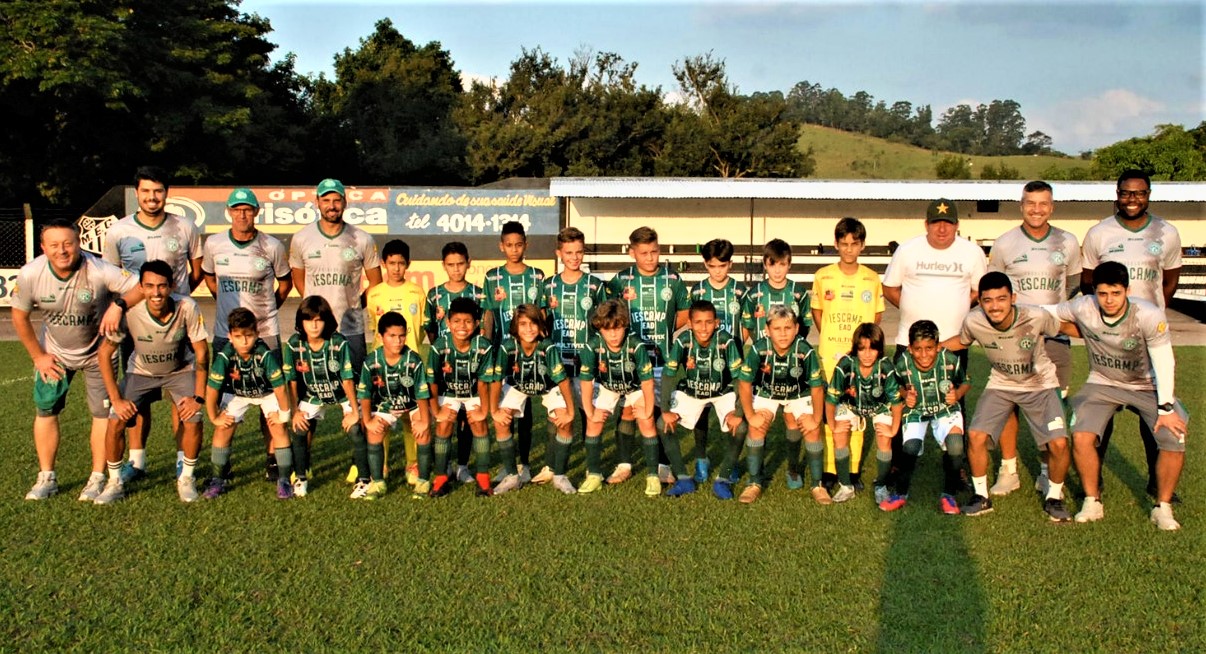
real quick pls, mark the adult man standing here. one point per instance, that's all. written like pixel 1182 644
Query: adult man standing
pixel 80 297
pixel 1150 248
pixel 328 258
pixel 1043 263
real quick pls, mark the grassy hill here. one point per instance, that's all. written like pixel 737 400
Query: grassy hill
pixel 844 155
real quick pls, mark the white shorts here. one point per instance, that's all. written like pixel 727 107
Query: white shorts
pixel 913 431
pixel 458 403
pixel 797 407
pixel 236 406
pixel 392 419
pixel 317 411
pixel 690 408
pixel 515 399
pixel 606 400
pixel 843 413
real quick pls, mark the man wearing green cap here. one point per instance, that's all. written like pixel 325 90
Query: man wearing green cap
pixel 328 257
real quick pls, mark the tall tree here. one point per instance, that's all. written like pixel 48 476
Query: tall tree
pixel 1172 153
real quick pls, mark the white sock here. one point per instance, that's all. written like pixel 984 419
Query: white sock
pixel 186 466
pixel 114 470
pixel 1055 491
pixel 138 459
pixel 179 456
pixel 96 475
pixel 981 485
pixel 47 475
pixel 1043 469
pixel 1009 466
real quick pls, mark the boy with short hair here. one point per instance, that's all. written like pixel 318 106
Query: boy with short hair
pixel 393 385
pixel 726 295
pixel 844 295
pixel 246 373
pixel 775 289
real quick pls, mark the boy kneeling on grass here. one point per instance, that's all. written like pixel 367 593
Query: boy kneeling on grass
pixel 246 373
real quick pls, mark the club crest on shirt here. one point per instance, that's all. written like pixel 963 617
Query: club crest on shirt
pixel 866 297
pixel 717 365
pixel 629 366
pixel 172 244
pixel 1155 248
pixel 260 263
pixel 531 293
pixel 1058 258
pixel 84 295
pixel 408 381
pixel 1130 343
pixel 944 386
pixel 332 365
pixel 1026 343
pixel 734 308
pixel 796 371
pixel 666 294
pixel 586 303
pixel 348 253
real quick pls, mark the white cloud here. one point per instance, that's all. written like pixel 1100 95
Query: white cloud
pixel 1098 120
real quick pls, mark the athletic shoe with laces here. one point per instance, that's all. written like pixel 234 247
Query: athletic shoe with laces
pixel 214 488
pixel 795 481
pixel 844 493
pixel 421 490
pixel 751 494
pixel 653 486
pixel 130 474
pixel 114 492
pixel 1040 484
pixel 722 489
pixel 821 496
pixel 483 484
pixel 979 505
pixel 440 487
pixel 1090 511
pixel 893 502
pixel 284 490
pixel 1162 517
pixel 681 487
pixel 301 487
pixel 702 467
pixel 563 484
pixel 592 483
pixel 412 474
pixel 665 474
pixel 621 474
pixel 544 476
pixel 376 490
pixel 463 476
pixel 44 486
pixel 359 490
pixel 948 504
pixel 1056 511
pixel 1007 482
pixel 353 475
pixel 186 488
pixel 508 484
pixel 881 493
pixel 96 484
pixel 525 474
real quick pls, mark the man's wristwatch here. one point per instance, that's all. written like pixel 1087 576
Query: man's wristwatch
pixel 121 303
pixel 198 399
pixel 1164 409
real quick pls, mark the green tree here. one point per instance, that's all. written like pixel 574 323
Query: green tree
pixel 953 166
pixel 961 129
pixel 999 171
pixel 1004 127
pixel 1172 153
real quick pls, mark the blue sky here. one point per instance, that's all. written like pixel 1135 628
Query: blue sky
pixel 1087 74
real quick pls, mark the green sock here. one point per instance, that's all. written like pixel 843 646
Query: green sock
pixel 550 445
pixel 701 437
pixel 301 453
pixel 561 448
pixel 376 461
pixel 649 447
pixel 359 451
pixel 794 438
pixel 674 452
pixel 625 434
pixel 220 457
pixel 506 455
pixel 815 451
pixel 594 454
pixel 841 461
pixel 284 462
pixel 441 448
pixel 753 460
pixel 481 453
pixel 732 450
pixel 424 460
pixel 883 464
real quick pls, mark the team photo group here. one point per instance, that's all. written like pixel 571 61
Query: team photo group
pixel 437 372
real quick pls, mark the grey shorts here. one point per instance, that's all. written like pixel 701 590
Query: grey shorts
pixel 273 342
pixel 1094 405
pixel 1043 410
pixel 143 390
pixel 1060 353
pixel 51 397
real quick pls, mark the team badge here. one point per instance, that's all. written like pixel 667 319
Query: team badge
pixel 944 386
pixel 413 308
pixel 1026 343
pixel 348 253
pixel 553 302
pixel 674 401
pixel 260 263
pixel 542 369
pixel 586 303
pixel 877 391
pixel 866 297
pixel 629 366
pixel 796 371
pixel 1154 248
pixel 84 295
pixel 666 294
pixel 1058 258
pixel 531 294
pixel 734 308
pixel 717 365
pixel 172 244
pixel 408 381
pixel 332 365
pixel 1161 328
pixel 1130 343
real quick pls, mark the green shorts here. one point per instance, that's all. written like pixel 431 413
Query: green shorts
pixel 50 397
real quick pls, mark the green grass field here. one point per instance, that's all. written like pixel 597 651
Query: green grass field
pixel 613 571
pixel 846 155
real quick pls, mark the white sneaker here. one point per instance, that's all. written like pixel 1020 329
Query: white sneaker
pixel 1007 482
pixel 502 474
pixel 45 486
pixel 525 474
pixel 665 475
pixel 301 487
pixel 114 491
pixel 463 476
pixel 544 476
pixel 509 483
pixel 563 484
pixel 92 489
pixel 186 489
pixel 360 490
pixel 1162 517
pixel 621 474
pixel 844 493
pixel 1091 511
pixel 1040 484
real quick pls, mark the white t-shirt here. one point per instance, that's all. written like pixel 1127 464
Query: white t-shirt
pixel 934 284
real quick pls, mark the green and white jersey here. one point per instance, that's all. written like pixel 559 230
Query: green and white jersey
pixel 1118 349
pixel 788 376
pixel 708 370
pixel 932 385
pixel 455 373
pixel 1019 360
pixel 505 291
pixel 621 371
pixel 397 387
pixel 246 275
pixel 570 308
pixel 440 298
pixel 759 300
pixel 129 243
pixel 866 395
pixel 1146 252
pixel 727 301
pixel 162 347
pixel 653 303
pixel 256 376
pixel 319 373
pixel 333 266
pixel 71 307
pixel 1039 269
pixel 532 374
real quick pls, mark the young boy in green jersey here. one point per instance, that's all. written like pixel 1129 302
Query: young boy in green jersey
pixel 619 362
pixel 775 290
pixel 781 370
pixel 710 359
pixel 318 366
pixel 460 366
pixel 726 295
pixel 932 381
pixel 246 373
pixel 506 287
pixel 454 258
pixel 393 389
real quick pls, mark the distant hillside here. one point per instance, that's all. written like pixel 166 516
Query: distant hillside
pixel 846 155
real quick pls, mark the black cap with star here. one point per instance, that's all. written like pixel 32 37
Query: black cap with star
pixel 942 209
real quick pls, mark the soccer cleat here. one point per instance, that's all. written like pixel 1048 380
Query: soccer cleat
pixel 893 502
pixel 483 484
pixel 948 504
pixel 130 474
pixel 272 472
pixel 45 486
pixel 421 490
pixel 114 492
pixel 795 481
pixel 735 475
pixel 359 490
pixel 621 474
pixel 96 484
pixel 353 475
pixel 301 487
pixel 653 486
pixel 441 487
pixel 751 494
pixel 284 490
pixel 186 488
pixel 979 505
pixel 1040 484
pixel 592 483
pixel 1091 511
pixel 681 487
pixel 376 490
pixel 881 493
pixel 722 489
pixel 1162 517
pixel 1056 510
pixel 412 474
pixel 214 487
pixel 525 474
pixel 1007 482
pixel 563 484
pixel 502 474
pixel 544 476
pixel 856 482
pixel 821 495
pixel 844 493
pixel 463 476
pixel 665 474
pixel 508 484
pixel 702 470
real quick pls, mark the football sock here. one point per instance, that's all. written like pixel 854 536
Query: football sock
pixel 674 452
pixel 114 470
pixel 980 484
pixel 953 462
pixel 883 463
pixel 138 459
pixel 732 450
pixel 753 460
pixel 815 451
pixel 649 447
pixel 424 452
pixel 284 462
pixel 841 459
pixel 481 453
pixel 910 450
pixel 187 467
pixel 441 447
pixel 359 450
pixel 594 454
pixel 625 431
pixel 560 449
pixel 794 439
pixel 301 453
pixel 1055 491
pixel 524 423
pixel 701 435
pixel 1009 466
pixel 856 450
pixel 550 444
pixel 506 455
pixel 220 458
pixel 376 461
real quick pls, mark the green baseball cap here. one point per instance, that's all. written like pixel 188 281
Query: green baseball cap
pixel 242 195
pixel 940 210
pixel 329 185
